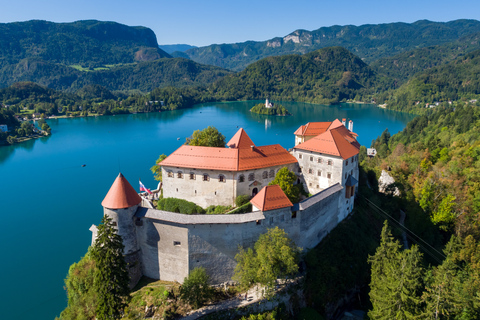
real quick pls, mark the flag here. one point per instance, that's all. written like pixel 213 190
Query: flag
pixel 142 187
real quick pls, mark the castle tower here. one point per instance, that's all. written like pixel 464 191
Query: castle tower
pixel 121 204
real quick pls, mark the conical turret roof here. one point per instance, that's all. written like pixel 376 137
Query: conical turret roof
pixel 121 195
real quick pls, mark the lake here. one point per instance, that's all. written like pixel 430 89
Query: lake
pixel 49 200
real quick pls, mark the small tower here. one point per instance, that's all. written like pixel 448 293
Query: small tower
pixel 344 122
pixel 267 104
pixel 350 125
pixel 121 204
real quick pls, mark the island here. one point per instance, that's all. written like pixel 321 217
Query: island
pixel 270 109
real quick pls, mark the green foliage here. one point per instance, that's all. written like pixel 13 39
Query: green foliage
pixel 286 179
pixel 179 206
pixel 157 168
pixel 82 298
pixel 245 208
pixel 218 209
pixel 275 256
pixel 195 289
pixel 242 199
pixel 208 137
pixel 111 278
pixel 276 110
pixel 396 284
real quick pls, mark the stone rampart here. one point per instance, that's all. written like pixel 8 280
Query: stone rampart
pixel 172 244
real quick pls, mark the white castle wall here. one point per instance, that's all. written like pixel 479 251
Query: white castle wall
pixel 214 192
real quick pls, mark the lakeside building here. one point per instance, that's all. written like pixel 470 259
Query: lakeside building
pixel 167 245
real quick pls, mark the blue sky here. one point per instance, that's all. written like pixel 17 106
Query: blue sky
pixel 204 22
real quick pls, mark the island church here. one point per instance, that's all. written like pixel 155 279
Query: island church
pixel 167 245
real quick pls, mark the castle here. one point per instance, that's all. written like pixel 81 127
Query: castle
pixel 167 245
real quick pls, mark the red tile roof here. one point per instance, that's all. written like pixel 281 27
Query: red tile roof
pixel 270 198
pixel 121 195
pixel 240 140
pixel 337 142
pixel 229 159
pixel 312 129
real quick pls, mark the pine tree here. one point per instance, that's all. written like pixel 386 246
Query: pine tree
pixel 111 278
pixel 396 280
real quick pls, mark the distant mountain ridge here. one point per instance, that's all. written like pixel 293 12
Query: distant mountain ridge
pixel 171 48
pixel 369 42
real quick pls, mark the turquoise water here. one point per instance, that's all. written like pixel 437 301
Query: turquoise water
pixel 49 201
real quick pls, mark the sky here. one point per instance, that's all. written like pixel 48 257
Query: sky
pixel 205 22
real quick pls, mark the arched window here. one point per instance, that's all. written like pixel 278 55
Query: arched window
pixel 241 178
pixel 320 160
pixel 206 177
pixel 221 178
pixel 310 171
pixel 264 175
pixel 329 162
pixel 180 175
pixel 251 177
pixel 271 174
pixel 311 158
pixel 319 173
pixel 170 174
pixel 192 176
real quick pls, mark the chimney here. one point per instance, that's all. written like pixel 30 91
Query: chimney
pixel 344 122
pixel 350 126
pixel 253 147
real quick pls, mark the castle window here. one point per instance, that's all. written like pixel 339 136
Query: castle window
pixel 221 178
pixel 272 174
pixel 317 186
pixel 320 160
pixel 299 169
pixel 179 175
pixel 192 176
pixel 251 177
pixel 346 162
pixel 319 173
pixel 294 214
pixel 264 175
pixel 329 175
pixel 329 162
pixel 311 158
pixel 271 220
pixel 177 243
pixel 170 174
pixel 310 184
pixel 299 156
pixel 310 170
pixel 206 177
pixel 241 178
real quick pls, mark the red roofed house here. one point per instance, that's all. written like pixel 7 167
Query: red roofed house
pixel 327 153
pixel 216 176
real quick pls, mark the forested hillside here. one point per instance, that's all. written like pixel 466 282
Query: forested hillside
pixel 435 162
pixel 404 65
pixel 369 42
pixel 89 43
pixel 452 81
pixel 324 76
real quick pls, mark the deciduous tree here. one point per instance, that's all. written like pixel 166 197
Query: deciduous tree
pixel 274 256
pixel 195 289
pixel 208 137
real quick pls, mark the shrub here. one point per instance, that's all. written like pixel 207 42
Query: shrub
pixel 241 200
pixel 179 205
pixel 247 207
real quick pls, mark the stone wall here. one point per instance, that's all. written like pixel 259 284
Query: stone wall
pixel 171 244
